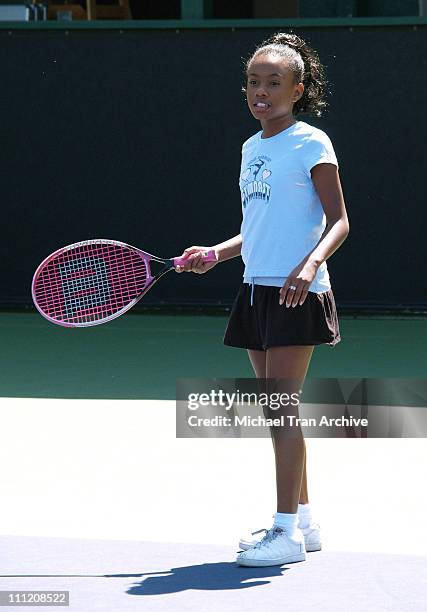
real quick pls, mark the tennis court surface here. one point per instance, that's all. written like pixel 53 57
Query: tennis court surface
pixel 102 500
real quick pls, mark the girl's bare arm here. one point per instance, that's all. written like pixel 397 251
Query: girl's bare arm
pixel 224 250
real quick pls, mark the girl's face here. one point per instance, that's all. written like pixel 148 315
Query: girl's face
pixel 271 91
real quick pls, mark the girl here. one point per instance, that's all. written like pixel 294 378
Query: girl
pixel 294 219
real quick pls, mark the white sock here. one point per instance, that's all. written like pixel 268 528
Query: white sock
pixel 304 516
pixel 288 522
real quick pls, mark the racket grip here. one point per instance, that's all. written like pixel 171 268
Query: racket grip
pixel 206 257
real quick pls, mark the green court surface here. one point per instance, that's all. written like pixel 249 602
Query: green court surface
pixel 140 356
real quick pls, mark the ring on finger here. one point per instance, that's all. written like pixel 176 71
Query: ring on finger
pixel 292 287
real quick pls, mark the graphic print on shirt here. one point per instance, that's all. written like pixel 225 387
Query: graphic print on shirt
pixel 253 183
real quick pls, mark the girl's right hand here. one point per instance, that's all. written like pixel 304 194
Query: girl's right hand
pixel 194 261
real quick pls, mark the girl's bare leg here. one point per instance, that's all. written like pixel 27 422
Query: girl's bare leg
pixel 289 365
pixel 258 360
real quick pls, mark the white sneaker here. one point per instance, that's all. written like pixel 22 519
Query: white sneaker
pixel 311 538
pixel 275 548
pixel 311 534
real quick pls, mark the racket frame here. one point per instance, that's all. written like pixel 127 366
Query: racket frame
pixel 168 265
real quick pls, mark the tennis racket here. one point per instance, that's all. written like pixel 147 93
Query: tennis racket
pixel 95 281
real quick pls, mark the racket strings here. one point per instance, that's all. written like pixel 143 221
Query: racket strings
pixel 90 282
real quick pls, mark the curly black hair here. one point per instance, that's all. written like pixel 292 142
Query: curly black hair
pixel 305 64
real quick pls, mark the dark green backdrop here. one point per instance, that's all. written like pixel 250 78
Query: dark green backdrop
pixel 137 135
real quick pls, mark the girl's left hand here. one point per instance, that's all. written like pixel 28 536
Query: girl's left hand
pixel 295 290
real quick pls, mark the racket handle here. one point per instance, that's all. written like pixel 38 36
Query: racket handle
pixel 206 257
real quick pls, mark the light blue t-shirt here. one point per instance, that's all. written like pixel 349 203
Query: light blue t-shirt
pixel 283 218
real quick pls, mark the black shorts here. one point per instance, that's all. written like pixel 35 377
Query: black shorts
pixel 267 324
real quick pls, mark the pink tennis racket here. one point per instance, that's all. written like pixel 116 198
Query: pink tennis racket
pixel 95 281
